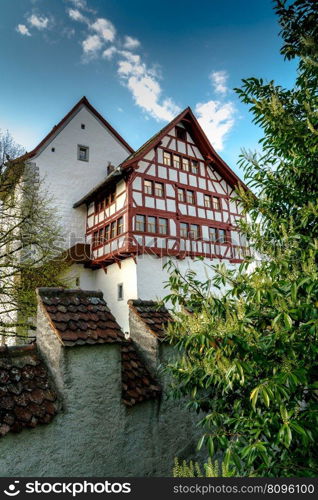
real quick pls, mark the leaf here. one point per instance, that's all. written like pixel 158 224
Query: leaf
pixel 254 396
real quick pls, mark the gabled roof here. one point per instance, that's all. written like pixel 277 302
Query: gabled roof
pixel 82 317
pixel 201 141
pixel 82 102
pixel 153 314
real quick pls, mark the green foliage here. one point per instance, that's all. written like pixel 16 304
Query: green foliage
pixel 249 348
pixel 193 469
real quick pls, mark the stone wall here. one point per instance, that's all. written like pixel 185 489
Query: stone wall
pixel 94 433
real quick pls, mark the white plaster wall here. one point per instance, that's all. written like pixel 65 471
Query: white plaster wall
pixel 68 179
pixel 152 277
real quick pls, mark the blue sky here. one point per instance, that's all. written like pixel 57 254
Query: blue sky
pixel 139 63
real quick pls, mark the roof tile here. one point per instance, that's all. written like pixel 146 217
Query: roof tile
pixel 155 316
pixel 26 395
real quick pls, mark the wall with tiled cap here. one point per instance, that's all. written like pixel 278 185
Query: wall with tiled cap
pixel 110 417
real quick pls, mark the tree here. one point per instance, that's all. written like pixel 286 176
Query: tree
pixel 29 240
pixel 249 355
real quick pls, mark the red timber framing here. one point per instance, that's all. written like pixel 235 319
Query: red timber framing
pixel 162 200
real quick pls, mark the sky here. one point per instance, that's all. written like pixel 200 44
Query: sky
pixel 139 63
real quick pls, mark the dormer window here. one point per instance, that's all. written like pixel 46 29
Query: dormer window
pixel 181 133
pixel 82 153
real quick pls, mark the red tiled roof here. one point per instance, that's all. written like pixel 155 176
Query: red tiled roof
pixel 137 383
pixel 80 317
pixel 83 101
pixel 155 316
pixel 27 397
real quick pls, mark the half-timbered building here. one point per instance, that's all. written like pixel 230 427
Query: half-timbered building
pixel 130 212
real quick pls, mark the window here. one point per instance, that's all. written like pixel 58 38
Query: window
pixel 151 224
pixel 140 223
pixel 101 236
pixel 194 166
pixel 183 230
pixel 107 232
pixel 148 187
pixel 181 194
pixel 77 281
pixel 120 291
pixel 120 225
pixel 163 226
pixel 95 239
pixel 213 234
pixel 53 150
pixel 181 133
pixel 216 203
pixel 194 231
pixel 217 235
pixel 113 230
pixel 166 158
pixel 82 153
pixel 190 197
pixel 159 189
pixel 222 236
pixel 185 165
pixel 82 126
pixel 176 161
pixel 207 201
pixel 112 197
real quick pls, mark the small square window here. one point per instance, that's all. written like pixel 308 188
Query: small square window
pixel 82 126
pixel 120 291
pixel 82 153
pixel 53 150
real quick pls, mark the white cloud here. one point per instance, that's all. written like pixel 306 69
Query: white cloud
pixel 145 88
pixel 23 30
pixel 219 81
pixel 131 43
pixel 108 53
pixel 76 15
pixel 216 119
pixel 38 22
pixel 92 44
pixel 104 28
